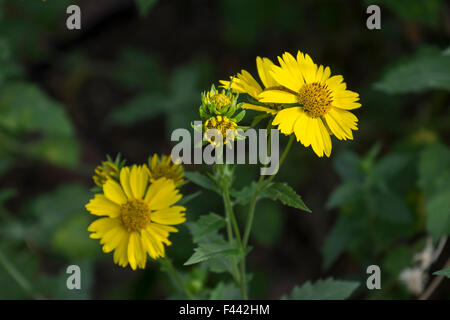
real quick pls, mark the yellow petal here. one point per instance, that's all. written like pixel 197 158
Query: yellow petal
pixel 258 108
pixel 301 127
pixel 341 132
pixel 132 248
pixel 170 216
pixel 125 182
pixel 138 181
pixel 113 238
pixel 114 192
pixel 277 96
pixel 316 137
pixel 162 195
pixel 121 252
pixel 325 136
pixel 101 206
pixel 307 66
pixel 286 118
pixel 264 66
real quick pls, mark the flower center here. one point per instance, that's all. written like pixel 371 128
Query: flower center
pixel 135 215
pixel 220 100
pixel 315 98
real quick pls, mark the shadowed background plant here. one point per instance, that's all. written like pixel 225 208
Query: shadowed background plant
pixel 135 72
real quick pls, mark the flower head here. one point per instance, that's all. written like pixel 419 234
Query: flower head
pixel 136 217
pixel 107 170
pixel 223 103
pixel 164 168
pixel 245 83
pixel 226 127
pixel 324 102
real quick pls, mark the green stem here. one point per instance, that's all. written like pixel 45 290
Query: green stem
pixel 16 275
pixel 176 277
pixel 260 186
pixel 230 213
pixel 235 273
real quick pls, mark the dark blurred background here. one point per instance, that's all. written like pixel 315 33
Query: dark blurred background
pixel 135 71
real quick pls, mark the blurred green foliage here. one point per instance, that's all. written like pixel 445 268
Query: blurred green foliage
pixel 62 101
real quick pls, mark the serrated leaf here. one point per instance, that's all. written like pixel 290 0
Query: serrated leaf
pixel 418 74
pixel 283 192
pixel 211 249
pixel 205 226
pixel 201 180
pixel 444 272
pixel 328 289
pixel 244 195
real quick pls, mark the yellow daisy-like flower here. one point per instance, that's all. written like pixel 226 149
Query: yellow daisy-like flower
pixel 107 170
pixel 245 83
pixel 324 101
pixel 225 126
pixel 136 220
pixel 164 168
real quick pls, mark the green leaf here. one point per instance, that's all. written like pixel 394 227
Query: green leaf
pixel 340 237
pixel 283 192
pixel 438 215
pixel 244 195
pixel 434 168
pixel 267 224
pixel 389 206
pixel 391 164
pixel 211 249
pixel 427 12
pixel 53 208
pixel 188 198
pixel 328 289
pixel 346 165
pixel 444 272
pixel 227 291
pixel 418 74
pixel 201 180
pixel 344 193
pixel 145 6
pixel 141 108
pixel 72 241
pixel 25 109
pixel 205 226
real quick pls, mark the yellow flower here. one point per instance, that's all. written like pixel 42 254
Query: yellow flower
pixel 108 170
pixel 324 101
pixel 225 126
pixel 245 83
pixel 164 168
pixel 136 220
pixel 221 100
